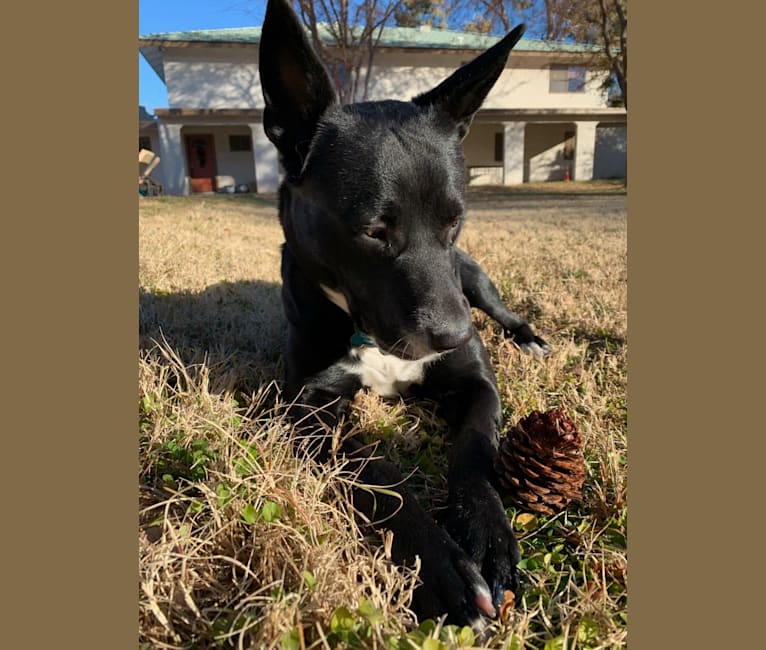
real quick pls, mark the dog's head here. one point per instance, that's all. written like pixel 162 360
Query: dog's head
pixel 373 196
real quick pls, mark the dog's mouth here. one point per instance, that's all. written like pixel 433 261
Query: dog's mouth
pixel 410 347
pixel 360 339
pixel 401 349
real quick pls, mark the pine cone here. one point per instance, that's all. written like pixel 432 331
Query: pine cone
pixel 539 463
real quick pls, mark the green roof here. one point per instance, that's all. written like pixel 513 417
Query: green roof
pixel 409 37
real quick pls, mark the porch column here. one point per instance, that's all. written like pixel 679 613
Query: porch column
pixel 513 153
pixel 172 159
pixel 585 146
pixel 265 159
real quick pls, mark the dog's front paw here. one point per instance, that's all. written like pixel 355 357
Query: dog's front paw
pixel 451 582
pixel 476 520
pixel 528 341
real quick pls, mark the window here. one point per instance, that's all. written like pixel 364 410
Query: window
pixel 144 142
pixel 240 143
pixel 567 79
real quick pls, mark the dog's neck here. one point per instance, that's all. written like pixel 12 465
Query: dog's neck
pixel 359 339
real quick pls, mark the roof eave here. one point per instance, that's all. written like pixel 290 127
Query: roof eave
pixel 152 53
pixel 150 43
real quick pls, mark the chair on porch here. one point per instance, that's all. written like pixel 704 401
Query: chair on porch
pixel 147 163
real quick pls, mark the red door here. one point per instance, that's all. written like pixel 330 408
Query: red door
pixel 200 154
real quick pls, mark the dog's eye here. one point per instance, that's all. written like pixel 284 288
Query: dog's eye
pixel 374 232
pixel 455 226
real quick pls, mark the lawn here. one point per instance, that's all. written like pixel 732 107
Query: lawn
pixel 243 545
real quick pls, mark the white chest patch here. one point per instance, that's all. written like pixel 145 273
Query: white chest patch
pixel 386 374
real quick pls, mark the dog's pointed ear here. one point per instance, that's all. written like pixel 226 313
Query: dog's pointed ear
pixel 296 87
pixel 461 94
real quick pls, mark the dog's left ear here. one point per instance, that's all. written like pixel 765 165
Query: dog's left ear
pixel 296 87
pixel 461 94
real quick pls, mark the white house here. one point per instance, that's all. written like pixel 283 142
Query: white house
pixel 546 116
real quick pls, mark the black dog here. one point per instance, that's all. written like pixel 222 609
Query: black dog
pixel 378 295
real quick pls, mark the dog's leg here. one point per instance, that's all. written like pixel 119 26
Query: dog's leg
pixel 483 294
pixel 464 385
pixel 452 583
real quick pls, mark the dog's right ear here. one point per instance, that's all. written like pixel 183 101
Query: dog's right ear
pixel 461 94
pixel 296 87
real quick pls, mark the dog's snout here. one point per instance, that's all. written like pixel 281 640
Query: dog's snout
pixel 449 339
pixel 452 327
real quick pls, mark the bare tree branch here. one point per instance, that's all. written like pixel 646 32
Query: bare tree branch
pixel 599 22
pixel 345 36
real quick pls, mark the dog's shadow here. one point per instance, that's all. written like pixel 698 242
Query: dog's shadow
pixel 237 329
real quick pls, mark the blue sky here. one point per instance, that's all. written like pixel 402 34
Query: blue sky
pixel 179 15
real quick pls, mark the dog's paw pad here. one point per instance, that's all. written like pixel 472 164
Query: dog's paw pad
pixel 536 350
pixel 484 602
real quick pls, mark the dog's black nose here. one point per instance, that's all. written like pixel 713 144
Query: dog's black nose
pixel 449 338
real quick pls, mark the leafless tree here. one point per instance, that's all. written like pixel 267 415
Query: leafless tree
pixel 435 13
pixel 611 32
pixel 345 35
pixel 600 22
pixel 489 16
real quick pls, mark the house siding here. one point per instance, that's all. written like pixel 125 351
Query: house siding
pixel 610 156
pixel 213 78
pixel 228 78
pixel 519 86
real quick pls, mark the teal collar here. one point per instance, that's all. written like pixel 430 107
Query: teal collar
pixel 359 340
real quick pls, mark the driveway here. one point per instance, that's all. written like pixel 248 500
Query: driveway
pixel 493 204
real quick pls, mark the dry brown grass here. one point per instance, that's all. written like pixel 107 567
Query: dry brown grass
pixel 242 545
